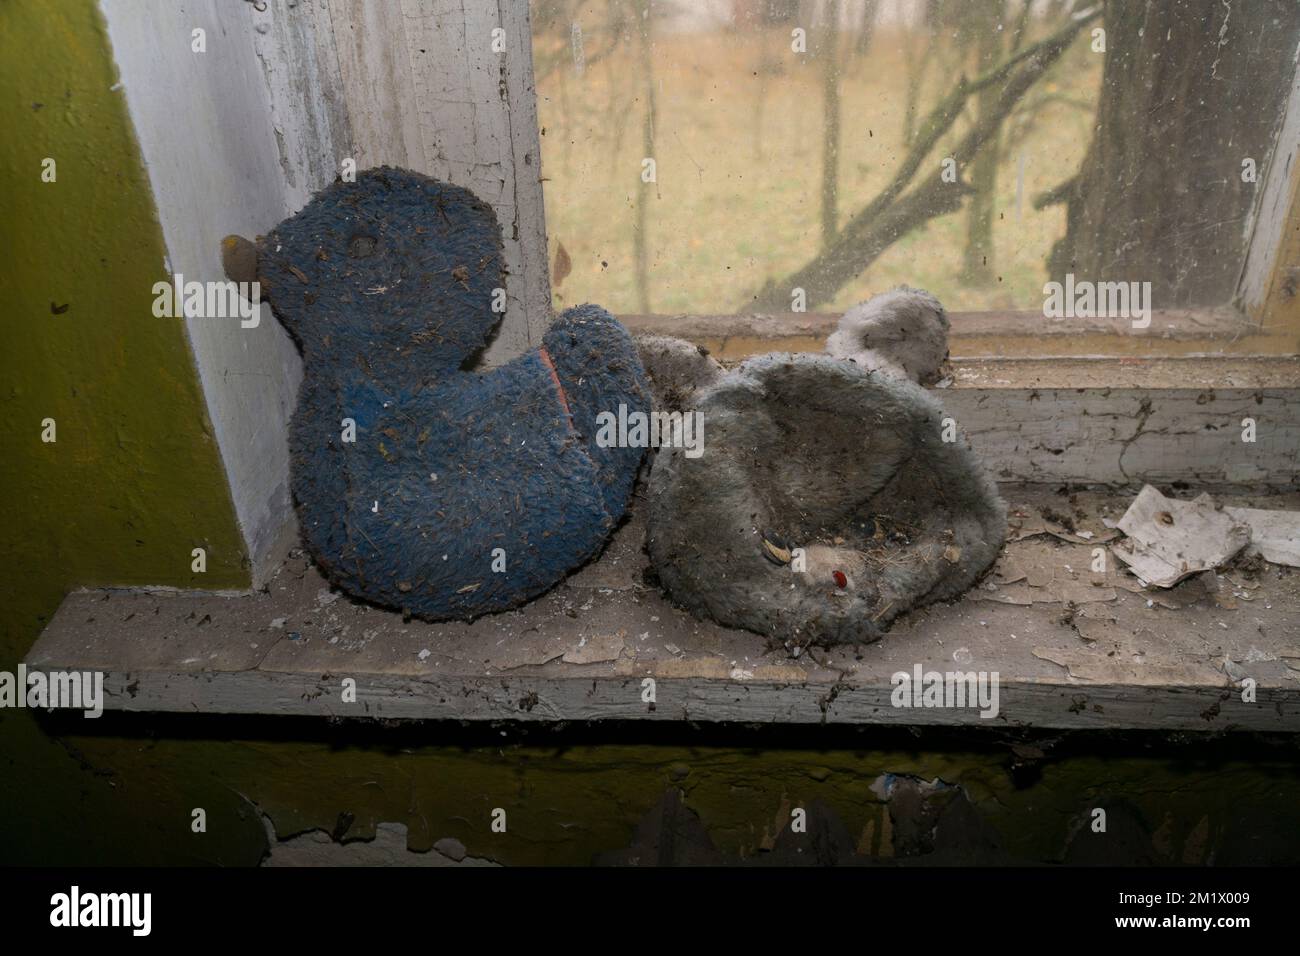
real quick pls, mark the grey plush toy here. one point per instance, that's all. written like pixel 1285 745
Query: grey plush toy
pixel 826 502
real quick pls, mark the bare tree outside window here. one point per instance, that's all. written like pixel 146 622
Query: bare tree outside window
pixel 978 148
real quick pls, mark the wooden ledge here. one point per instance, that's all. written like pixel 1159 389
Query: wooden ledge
pixel 1005 334
pixel 1072 649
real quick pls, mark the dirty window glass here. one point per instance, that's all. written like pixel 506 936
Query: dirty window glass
pixel 734 156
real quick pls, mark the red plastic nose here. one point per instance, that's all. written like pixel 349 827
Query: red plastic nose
pixel 840 579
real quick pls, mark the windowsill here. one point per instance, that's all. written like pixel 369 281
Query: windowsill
pixel 583 651
pixel 1006 334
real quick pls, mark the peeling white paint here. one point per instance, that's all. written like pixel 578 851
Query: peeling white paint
pixel 202 123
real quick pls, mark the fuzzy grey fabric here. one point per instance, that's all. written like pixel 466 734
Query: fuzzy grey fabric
pixel 815 453
pixel 676 369
pixel 902 333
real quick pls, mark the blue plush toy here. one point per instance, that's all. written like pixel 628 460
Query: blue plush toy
pixel 461 493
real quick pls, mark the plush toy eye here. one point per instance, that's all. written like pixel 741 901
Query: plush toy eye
pixel 361 247
pixel 775 548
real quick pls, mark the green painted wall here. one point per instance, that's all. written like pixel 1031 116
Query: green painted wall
pixel 571 795
pixel 134 481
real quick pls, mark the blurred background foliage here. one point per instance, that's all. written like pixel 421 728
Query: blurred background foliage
pixel 815 160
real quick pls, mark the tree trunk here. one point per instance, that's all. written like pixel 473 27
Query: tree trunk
pixel 982 21
pixel 828 48
pixel 1190 89
pixel 640 246
pixel 933 19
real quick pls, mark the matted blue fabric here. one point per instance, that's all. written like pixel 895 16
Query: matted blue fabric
pixel 387 286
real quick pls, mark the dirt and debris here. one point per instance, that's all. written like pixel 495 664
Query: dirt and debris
pixel 1168 540
pixel 1049 615
pixel 1274 535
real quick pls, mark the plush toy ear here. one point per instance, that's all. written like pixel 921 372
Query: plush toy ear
pixel 394 271
pixel 902 333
